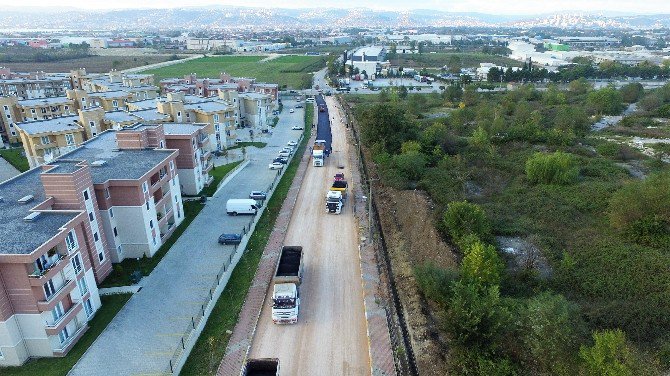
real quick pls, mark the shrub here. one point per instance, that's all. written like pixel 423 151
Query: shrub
pixel 552 168
pixel 641 210
pixel 609 355
pixel 482 264
pixel 435 282
pixel 463 218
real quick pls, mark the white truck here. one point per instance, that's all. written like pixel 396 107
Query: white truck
pixel 334 202
pixel 286 281
pixel 236 206
pixel 318 153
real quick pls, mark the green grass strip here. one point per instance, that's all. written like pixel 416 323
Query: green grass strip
pixel 15 158
pixel 218 173
pixel 111 305
pixel 211 345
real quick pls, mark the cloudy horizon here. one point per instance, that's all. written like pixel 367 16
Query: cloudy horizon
pixel 521 7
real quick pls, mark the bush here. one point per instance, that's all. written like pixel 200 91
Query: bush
pixel 553 168
pixel 641 210
pixel 482 264
pixel 435 283
pixel 463 218
pixel 609 355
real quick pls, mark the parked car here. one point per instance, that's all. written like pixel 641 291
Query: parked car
pixel 230 238
pixel 282 160
pixel 276 166
pixel 291 110
pixel 297 128
pixel 292 143
pixel 238 140
pixel 288 150
pixel 298 106
pixel 258 195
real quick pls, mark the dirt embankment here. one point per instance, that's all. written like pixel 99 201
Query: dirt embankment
pixel 412 240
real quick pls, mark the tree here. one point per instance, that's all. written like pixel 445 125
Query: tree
pixel 482 265
pixel 551 332
pixel 402 92
pixel 476 317
pixel 632 92
pixel 609 355
pixel 387 125
pixel 454 64
pixel 580 86
pixel 606 101
pixel 463 218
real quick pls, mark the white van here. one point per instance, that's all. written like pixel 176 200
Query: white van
pixel 236 206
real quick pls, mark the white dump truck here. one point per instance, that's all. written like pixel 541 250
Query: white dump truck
pixel 286 283
pixel 318 153
pixel 334 202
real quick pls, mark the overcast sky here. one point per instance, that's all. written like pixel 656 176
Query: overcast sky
pixel 482 6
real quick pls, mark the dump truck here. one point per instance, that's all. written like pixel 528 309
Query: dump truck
pixel 286 283
pixel 334 202
pixel 318 153
pixel 340 186
pixel 261 367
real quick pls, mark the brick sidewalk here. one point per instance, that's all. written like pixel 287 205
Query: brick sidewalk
pixel 243 334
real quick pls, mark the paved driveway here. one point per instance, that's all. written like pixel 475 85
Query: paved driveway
pixel 146 332
pixel 7 171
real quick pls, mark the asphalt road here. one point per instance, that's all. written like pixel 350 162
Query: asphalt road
pixel 330 337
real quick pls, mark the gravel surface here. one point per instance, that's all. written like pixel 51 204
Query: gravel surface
pixel 330 336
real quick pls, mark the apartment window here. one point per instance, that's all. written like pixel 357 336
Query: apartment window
pixel 76 264
pixel 193 142
pixel 116 233
pixel 107 194
pixel 57 312
pixel 173 182
pixel 101 256
pixel 90 217
pixel 88 307
pixel 151 224
pixel 216 118
pixel 171 165
pixel 69 138
pixel 178 113
pixel 6 108
pixel 71 241
pixel 111 212
pixel 175 199
pixel 49 289
pixel 43 110
pixel 115 103
pixel 96 236
pixel 63 335
pixel 162 145
pixel 145 187
pixel 147 204
pixel 9 116
pixel 13 133
pixel 45 140
pixel 67 108
pixel 32 110
pixel 83 288
pixel 154 239
pixel 86 196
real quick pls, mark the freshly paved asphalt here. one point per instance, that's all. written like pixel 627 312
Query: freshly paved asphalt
pixel 144 335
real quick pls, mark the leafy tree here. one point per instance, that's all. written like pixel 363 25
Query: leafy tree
pixel 607 101
pixel 553 96
pixel 632 92
pixel 453 93
pixel 476 317
pixel 580 86
pixel 609 355
pixel 651 102
pixel 435 283
pixel 386 124
pixel 463 218
pixel 482 265
pixel 552 168
pixel 454 64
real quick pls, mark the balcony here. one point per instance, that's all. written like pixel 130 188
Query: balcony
pixel 74 337
pixel 54 328
pixel 159 197
pixel 53 261
pixel 49 303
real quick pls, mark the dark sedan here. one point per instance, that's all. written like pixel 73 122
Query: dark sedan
pixel 230 239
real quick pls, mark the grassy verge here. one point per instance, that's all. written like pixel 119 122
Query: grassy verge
pixel 15 158
pixel 61 366
pixel 247 144
pixel 121 274
pixel 210 347
pixel 218 173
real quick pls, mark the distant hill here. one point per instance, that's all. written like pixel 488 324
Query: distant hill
pixel 267 19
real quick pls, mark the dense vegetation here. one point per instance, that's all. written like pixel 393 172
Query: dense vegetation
pixel 525 164
pixel 40 55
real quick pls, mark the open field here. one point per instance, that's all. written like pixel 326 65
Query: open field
pixel 437 60
pixel 291 71
pixel 93 64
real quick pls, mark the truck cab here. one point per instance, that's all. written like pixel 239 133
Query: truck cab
pixel 334 202
pixel 285 303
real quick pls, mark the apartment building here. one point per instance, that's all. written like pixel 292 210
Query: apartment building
pixel 29 88
pixel 255 110
pixel 10 114
pixel 195 158
pixel 52 255
pixel 46 108
pixel 45 140
pixel 111 100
